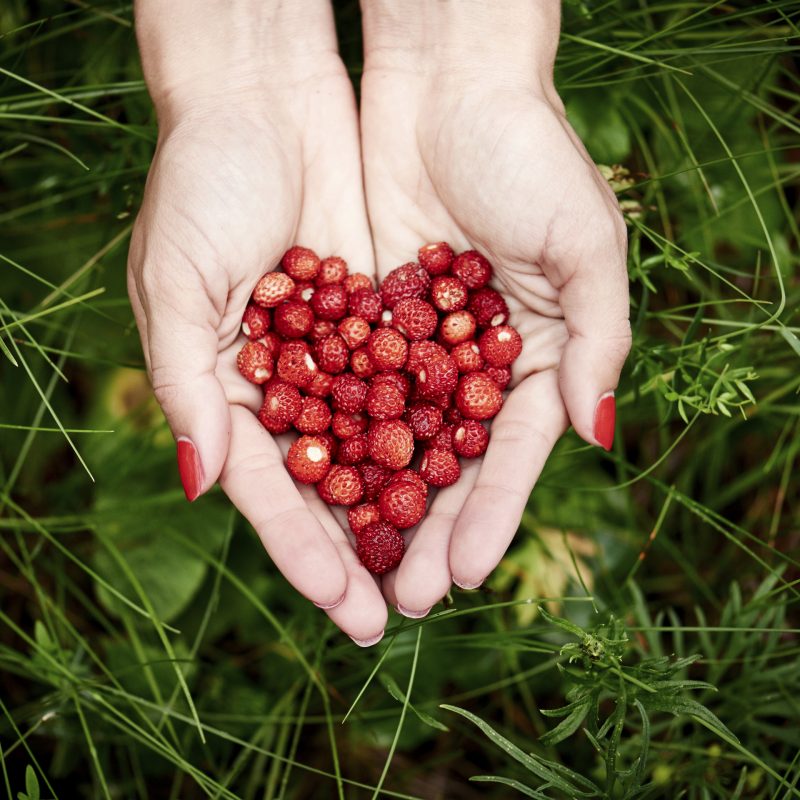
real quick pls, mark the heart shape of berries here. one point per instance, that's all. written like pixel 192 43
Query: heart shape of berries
pixel 368 378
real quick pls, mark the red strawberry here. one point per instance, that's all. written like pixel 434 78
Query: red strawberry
pixel 437 377
pixel 255 322
pixel 314 416
pixel 341 486
pixel 443 440
pixel 500 345
pixel 320 385
pixel 385 401
pixel 332 353
pixel 424 419
pixel 295 364
pixel 357 281
pixel 472 268
pixel 346 425
pixel 300 263
pixel 375 477
pixel 409 280
pixel 457 327
pixel 330 302
pixel 467 356
pixel 355 331
pixel 255 362
pixel 387 348
pixel 309 459
pixel 415 318
pixel 488 307
pixel 273 343
pixel 303 290
pixel 436 258
pixel 282 404
pixel 332 270
pixel 500 375
pixel 452 416
pixel 386 318
pixel 393 378
pixel 391 443
pixel 419 353
pixel 293 319
pixel 478 396
pixel 470 439
pixel 380 547
pixel 409 476
pixel 321 329
pixel 353 450
pixel 448 293
pixel 361 363
pixel 366 304
pixel 349 393
pixel 358 517
pixel 273 289
pixel 402 504
pixel 440 468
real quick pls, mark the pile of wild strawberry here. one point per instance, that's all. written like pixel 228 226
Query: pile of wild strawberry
pixel 365 375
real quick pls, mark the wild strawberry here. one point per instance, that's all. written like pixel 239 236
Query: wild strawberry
pixel 358 517
pixel 449 293
pixel 409 476
pixel 386 319
pixel 349 393
pixel 309 459
pixel 332 354
pixel 341 486
pixel 436 258
pixel 452 416
pixel 488 307
pixel 375 477
pixel 478 396
pixel 356 281
pixel 440 468
pixel 346 425
pixel 457 327
pixel 273 289
pixel 273 343
pixel 500 345
pixel 385 401
pixel 500 375
pixel 255 322
pixel 282 404
pixel 415 318
pixel 361 363
pixel 332 442
pixel 332 270
pixel 330 302
pixel 467 356
pixel 424 419
pixel 470 439
pixel 387 348
pixel 293 319
pixel 321 384
pixel 314 416
pixel 300 263
pixel 409 280
pixel 353 450
pixel 295 364
pixel 419 353
pixel 472 268
pixel 391 443
pixel 380 547
pixel 443 440
pixel 321 329
pixel 393 378
pixel 255 362
pixel 355 331
pixel 366 304
pixel 437 377
pixel 402 504
pixel 303 291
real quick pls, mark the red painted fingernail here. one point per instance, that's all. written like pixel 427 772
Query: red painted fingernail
pixel 605 415
pixel 190 468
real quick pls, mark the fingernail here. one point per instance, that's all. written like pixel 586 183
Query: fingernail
pixel 330 605
pixel 413 614
pixel 368 642
pixel 605 415
pixel 467 584
pixel 190 468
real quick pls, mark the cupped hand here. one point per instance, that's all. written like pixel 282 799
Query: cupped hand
pixel 236 180
pixel 495 166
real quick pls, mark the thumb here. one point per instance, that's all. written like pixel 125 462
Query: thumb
pixel 593 293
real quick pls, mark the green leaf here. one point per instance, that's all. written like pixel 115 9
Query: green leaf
pixel 395 691
pixel 568 725
pixel 562 623
pixel 520 787
pixel 685 705
pixel 31 783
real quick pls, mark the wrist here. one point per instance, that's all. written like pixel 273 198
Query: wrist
pixel 200 54
pixel 512 43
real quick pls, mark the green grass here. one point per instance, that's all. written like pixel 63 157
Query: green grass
pixel 149 649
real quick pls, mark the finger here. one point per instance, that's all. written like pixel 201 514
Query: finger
pixel 593 294
pixel 423 577
pixel 523 434
pixel 140 317
pixel 255 479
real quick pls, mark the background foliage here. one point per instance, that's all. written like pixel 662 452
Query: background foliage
pixel 149 648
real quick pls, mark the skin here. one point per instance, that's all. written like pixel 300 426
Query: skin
pixel 259 149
